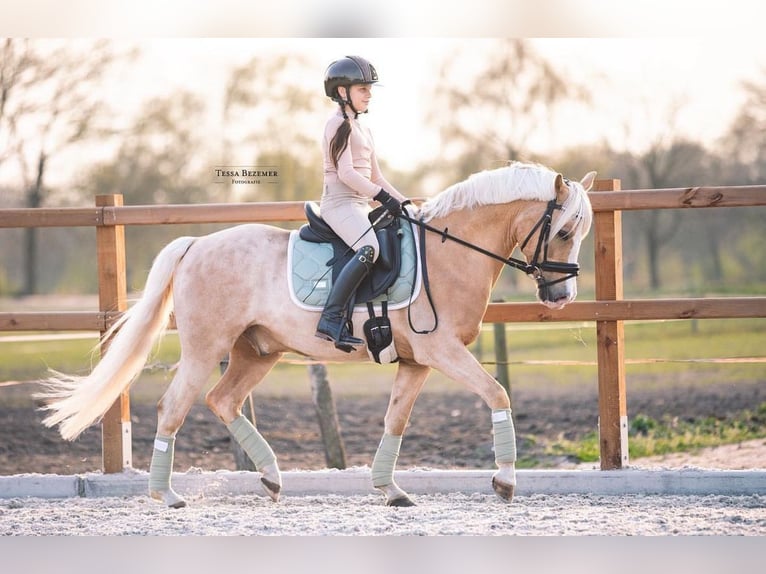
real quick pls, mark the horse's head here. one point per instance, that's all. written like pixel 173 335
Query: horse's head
pixel 550 235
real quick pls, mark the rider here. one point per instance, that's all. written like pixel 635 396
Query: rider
pixel 351 178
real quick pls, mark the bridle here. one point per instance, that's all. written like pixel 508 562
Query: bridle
pixel 536 266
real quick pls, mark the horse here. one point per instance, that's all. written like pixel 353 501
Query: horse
pixel 229 294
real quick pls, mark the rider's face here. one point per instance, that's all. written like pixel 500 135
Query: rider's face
pixel 360 95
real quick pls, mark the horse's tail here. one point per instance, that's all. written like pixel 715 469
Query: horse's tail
pixel 78 402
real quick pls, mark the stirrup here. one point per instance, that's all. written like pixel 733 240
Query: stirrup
pixel 345 348
pixel 339 335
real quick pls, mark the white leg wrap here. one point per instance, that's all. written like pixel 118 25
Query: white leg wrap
pixel 385 460
pixel 162 463
pixel 504 436
pixel 260 453
pixel 160 470
pixel 252 442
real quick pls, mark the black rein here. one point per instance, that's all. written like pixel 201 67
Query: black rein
pixel 535 268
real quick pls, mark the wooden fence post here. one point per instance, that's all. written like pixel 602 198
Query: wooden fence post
pixel 502 375
pixel 116 434
pixel 610 336
pixel 334 450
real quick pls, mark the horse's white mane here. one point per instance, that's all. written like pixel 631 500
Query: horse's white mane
pixel 502 185
pixel 491 187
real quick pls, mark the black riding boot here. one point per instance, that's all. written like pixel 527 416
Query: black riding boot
pixel 332 324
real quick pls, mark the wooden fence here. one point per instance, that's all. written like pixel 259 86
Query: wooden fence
pixel 609 309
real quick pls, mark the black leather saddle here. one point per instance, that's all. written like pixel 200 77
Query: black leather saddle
pixel 387 266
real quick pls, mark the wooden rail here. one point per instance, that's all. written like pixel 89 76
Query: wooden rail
pixel 609 310
pixel 623 310
pixel 674 198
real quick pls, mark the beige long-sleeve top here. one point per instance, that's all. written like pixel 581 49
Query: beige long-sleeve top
pixel 358 166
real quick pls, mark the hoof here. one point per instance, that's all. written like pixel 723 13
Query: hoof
pixel 395 496
pixel 271 480
pixel 272 488
pixel 401 501
pixel 169 497
pixel 503 490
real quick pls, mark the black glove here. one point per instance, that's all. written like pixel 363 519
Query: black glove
pixel 391 204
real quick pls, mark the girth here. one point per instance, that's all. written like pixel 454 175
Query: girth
pixel 387 230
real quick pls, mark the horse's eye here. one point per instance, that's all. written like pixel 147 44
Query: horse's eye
pixel 564 235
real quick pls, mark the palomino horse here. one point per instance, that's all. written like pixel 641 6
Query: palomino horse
pixel 229 293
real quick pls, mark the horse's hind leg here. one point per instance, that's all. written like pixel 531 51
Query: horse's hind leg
pixel 409 381
pixel 246 369
pixel 171 412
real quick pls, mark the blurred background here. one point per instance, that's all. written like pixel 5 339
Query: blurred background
pixel 153 119
pixel 656 94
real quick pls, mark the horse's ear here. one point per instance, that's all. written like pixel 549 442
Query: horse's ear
pixel 587 181
pixel 561 188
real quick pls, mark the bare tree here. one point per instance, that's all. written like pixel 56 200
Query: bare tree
pixel 160 159
pixel 745 141
pixel 265 102
pixel 668 162
pixel 49 101
pixel 492 115
pixel 17 73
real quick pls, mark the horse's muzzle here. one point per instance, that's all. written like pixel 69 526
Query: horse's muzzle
pixel 555 295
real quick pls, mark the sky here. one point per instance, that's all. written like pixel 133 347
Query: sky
pixel 636 84
pixel 656 56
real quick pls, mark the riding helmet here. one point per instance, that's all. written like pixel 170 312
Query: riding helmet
pixel 348 71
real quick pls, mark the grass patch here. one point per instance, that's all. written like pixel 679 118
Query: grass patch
pixel 26 360
pixel 677 339
pixel 650 437
pixel 584 450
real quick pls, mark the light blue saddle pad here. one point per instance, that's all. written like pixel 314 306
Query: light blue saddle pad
pixel 310 279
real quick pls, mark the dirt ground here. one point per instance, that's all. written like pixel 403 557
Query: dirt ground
pixel 447 430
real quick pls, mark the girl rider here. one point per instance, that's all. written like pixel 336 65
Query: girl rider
pixel 351 178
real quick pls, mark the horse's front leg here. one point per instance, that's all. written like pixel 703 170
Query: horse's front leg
pixel 457 362
pixel 408 383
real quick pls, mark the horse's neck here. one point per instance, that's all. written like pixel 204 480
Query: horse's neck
pixel 487 227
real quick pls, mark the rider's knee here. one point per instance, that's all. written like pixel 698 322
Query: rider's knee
pixel 367 254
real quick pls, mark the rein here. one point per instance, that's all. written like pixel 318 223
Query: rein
pixel 534 268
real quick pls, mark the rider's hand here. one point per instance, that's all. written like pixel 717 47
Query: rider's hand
pixel 392 205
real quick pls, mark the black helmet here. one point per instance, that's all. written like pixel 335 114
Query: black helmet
pixel 347 71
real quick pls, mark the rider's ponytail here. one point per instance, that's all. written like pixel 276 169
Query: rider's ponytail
pixel 339 141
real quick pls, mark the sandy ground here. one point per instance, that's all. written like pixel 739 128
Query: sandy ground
pixel 456 514
pixel 442 434
pixel 747 455
pixel 435 515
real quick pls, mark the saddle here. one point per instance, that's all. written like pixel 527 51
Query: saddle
pixel 389 233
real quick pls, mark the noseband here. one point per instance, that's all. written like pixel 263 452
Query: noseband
pixel 536 267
